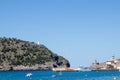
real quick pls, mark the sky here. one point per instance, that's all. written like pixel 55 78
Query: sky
pixel 79 30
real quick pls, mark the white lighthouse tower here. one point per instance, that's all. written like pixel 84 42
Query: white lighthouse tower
pixel 38 43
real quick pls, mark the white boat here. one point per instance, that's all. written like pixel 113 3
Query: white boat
pixel 29 74
pixel 81 68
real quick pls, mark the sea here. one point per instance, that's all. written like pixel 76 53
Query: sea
pixel 50 75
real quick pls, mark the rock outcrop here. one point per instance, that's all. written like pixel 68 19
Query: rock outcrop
pixel 16 54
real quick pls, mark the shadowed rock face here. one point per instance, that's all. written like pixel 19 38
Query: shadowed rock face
pixel 16 54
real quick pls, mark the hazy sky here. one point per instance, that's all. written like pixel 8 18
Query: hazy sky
pixel 79 30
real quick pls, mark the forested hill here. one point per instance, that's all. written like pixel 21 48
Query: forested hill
pixel 16 54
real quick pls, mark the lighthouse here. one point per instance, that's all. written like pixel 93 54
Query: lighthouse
pixel 38 43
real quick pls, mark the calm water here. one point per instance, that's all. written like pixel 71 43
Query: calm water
pixel 49 75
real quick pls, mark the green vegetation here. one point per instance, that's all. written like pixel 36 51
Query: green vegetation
pixel 18 52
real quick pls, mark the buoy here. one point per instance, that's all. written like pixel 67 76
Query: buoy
pixel 53 76
pixel 114 78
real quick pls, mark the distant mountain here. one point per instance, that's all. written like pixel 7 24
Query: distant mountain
pixel 16 54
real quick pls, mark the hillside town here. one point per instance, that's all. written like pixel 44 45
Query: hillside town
pixel 111 64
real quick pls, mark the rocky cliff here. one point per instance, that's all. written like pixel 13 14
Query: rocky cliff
pixel 16 54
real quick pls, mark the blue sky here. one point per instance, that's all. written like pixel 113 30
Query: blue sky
pixel 79 30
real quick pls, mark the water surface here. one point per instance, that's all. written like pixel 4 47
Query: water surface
pixel 49 75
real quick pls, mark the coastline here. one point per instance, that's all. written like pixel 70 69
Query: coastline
pixel 21 70
pixel 55 71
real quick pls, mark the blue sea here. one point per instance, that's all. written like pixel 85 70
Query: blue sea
pixel 49 75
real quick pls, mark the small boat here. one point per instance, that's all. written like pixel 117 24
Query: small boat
pixel 29 74
pixel 81 68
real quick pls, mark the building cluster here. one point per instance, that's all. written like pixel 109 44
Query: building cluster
pixel 111 64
